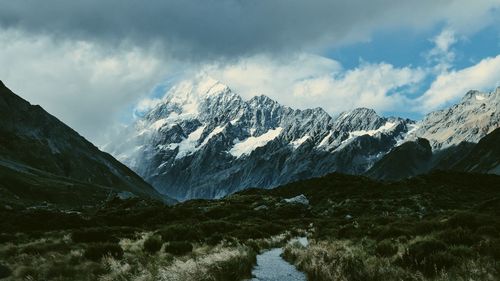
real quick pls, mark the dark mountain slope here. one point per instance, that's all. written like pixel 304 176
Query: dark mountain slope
pixel 484 157
pixel 409 159
pixel 33 140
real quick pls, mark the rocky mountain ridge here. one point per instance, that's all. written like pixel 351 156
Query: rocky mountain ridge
pixel 204 141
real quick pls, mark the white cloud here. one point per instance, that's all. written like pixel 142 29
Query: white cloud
pixel 310 81
pixel 449 86
pixel 145 105
pixel 79 82
pixel 442 56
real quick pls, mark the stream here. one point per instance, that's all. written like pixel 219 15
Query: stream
pixel 272 267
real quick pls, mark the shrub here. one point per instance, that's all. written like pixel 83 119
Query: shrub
pixel 179 232
pixel 152 244
pixel 354 269
pixel 214 239
pixel 461 251
pixel 386 248
pixel 468 220
pixel 4 271
pixel 426 227
pixel 92 235
pixel 437 262
pixel 458 236
pixel 392 232
pixel 4 238
pixel 215 226
pixel 178 248
pixel 490 248
pixel 219 212
pixel 428 256
pixel 488 231
pixel 42 248
pixel 98 250
pixel 248 233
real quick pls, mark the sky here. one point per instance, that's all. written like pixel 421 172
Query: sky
pixel 94 64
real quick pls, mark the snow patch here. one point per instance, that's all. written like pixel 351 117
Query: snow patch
pixel 409 135
pixel 158 124
pixel 384 128
pixel 480 97
pixel 216 131
pixel 248 145
pixel 188 145
pixel 296 143
pixel 324 141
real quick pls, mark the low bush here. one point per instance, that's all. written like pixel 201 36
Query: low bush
pixel 4 238
pixel 437 262
pixel 152 244
pixel 488 230
pixel 426 227
pixel 458 236
pixel 180 232
pixel 469 220
pixel 178 248
pixel 4 271
pixel 386 248
pixel 214 239
pixel 92 235
pixel 42 248
pixel 248 233
pixel 461 251
pixel 392 232
pixel 216 226
pixel 428 256
pixel 98 250
pixel 490 248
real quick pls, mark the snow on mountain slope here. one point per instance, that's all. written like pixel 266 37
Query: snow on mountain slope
pixel 475 116
pixel 245 147
pixel 204 140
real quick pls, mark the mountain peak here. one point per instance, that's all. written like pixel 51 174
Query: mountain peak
pixel 361 113
pixel 200 87
pixel 473 95
pixel 262 100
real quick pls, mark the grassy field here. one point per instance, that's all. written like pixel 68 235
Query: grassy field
pixel 443 226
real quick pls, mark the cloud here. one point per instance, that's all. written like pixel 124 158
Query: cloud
pixel 442 56
pixel 308 81
pixel 81 83
pixel 449 86
pixel 213 29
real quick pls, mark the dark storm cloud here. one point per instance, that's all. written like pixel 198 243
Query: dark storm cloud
pixel 224 28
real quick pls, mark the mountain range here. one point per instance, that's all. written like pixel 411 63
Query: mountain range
pixel 204 141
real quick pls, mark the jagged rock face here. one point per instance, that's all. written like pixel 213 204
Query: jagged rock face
pixel 205 141
pixel 475 116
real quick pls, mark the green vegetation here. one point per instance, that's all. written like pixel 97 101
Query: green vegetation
pixel 443 226
pixel 179 248
pixel 152 244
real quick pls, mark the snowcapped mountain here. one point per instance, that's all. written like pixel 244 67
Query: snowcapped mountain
pixel 204 141
pixel 461 138
pixel 475 116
